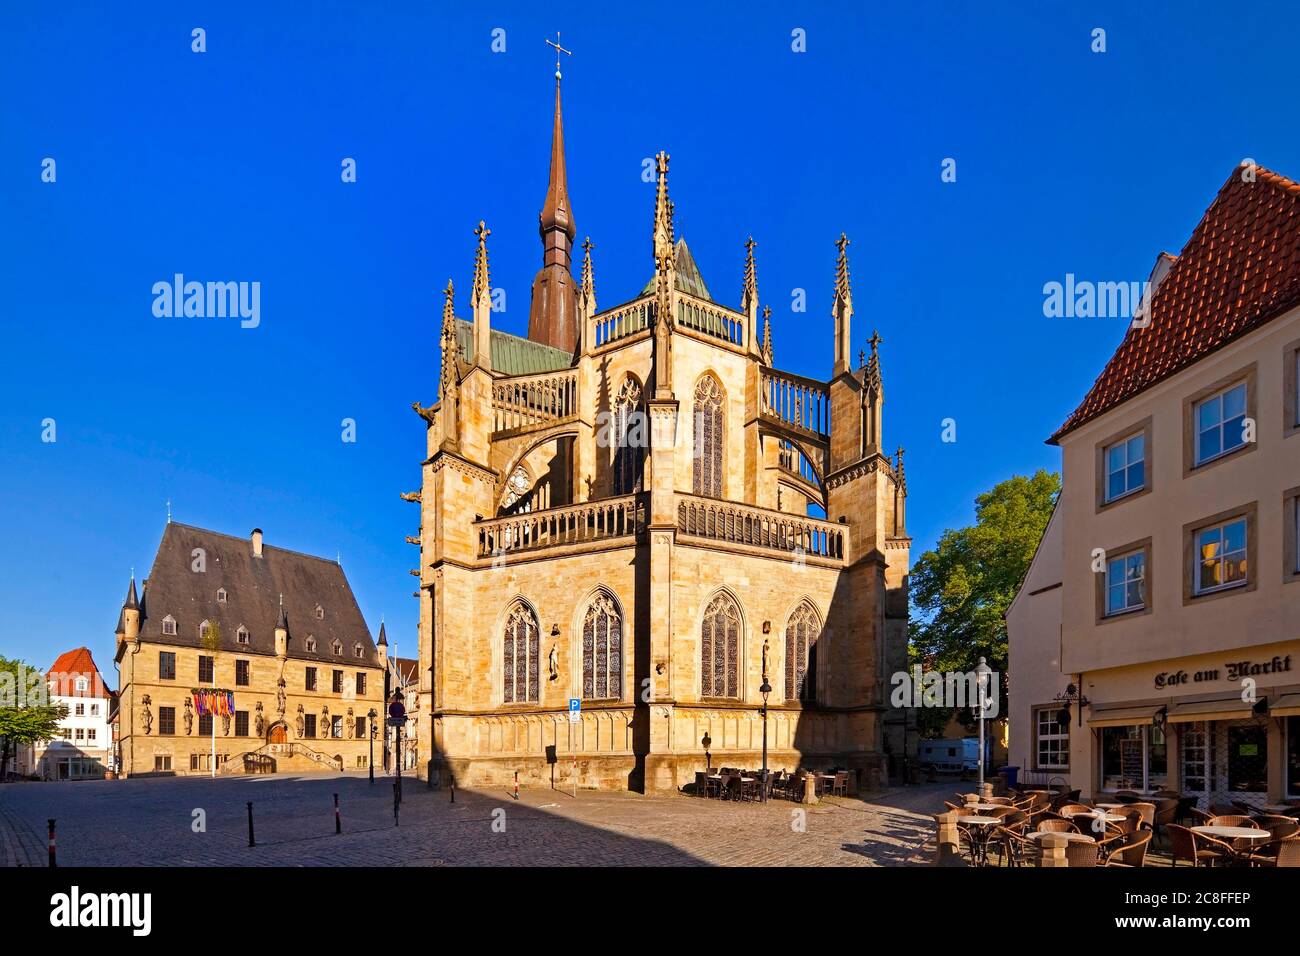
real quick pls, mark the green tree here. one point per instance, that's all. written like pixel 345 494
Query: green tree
pixel 26 714
pixel 961 589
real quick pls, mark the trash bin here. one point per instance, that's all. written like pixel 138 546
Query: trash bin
pixel 1011 775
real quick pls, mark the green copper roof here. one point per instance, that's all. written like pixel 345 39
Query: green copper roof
pixel 689 279
pixel 513 354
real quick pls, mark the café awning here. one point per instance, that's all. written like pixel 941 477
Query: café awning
pixel 1231 708
pixel 1123 716
pixel 1288 705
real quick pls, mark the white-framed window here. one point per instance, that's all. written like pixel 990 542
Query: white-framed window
pixel 90 733
pixel 1126 467
pixel 169 625
pixel 80 710
pixel 221 595
pixel 94 710
pixel 1051 739
pixel 1126 583
pixel 357 650
pixel 310 644
pixel 203 629
pixel 242 635
pixel 320 613
pixel 1219 423
pixel 1134 758
pixel 1220 557
pixel 83 684
pixel 336 646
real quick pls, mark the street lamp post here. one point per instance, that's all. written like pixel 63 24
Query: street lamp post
pixel 982 672
pixel 373 730
pixel 765 689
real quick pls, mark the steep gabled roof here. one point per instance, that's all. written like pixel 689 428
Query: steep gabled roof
pixel 1239 269
pixel 253 588
pixel 687 278
pixel 72 664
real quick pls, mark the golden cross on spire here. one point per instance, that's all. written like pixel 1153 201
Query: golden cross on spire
pixel 875 340
pixel 482 231
pixel 750 244
pixel 558 50
pixel 842 243
pixel 588 245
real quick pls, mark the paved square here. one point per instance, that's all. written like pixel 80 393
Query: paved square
pixel 154 823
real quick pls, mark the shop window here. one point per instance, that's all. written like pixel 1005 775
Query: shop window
pixel 1134 758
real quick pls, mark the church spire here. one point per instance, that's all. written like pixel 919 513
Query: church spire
pixel 872 378
pixel 588 282
pixel 749 298
pixel 481 301
pixel 843 308
pixel 553 313
pixel 448 392
pixel 768 357
pixel 665 281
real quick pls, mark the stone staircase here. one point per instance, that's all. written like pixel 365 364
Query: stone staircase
pixel 291 757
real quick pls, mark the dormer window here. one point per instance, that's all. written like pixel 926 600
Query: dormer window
pixel 221 595
pixel 242 635
pixel 320 613
pixel 203 630
pixel 169 625
pixel 310 644
pixel 83 685
pixel 337 647
pixel 357 650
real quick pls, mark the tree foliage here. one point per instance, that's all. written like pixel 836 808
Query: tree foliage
pixel 26 715
pixel 961 589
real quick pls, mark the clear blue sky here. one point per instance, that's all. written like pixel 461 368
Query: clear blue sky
pixel 225 166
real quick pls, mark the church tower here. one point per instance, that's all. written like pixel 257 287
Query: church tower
pixel 553 314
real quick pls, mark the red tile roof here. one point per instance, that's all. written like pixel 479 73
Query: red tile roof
pixel 1240 269
pixel 71 665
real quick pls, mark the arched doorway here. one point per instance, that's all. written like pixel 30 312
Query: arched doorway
pixel 278 734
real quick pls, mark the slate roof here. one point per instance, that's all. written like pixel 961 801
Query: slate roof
pixel 73 664
pixel 253 587
pixel 688 278
pixel 513 354
pixel 1239 270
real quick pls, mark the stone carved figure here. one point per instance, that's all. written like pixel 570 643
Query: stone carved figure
pixel 279 699
pixel 189 717
pixel 555 663
pixel 352 725
pixel 300 721
pixel 259 721
pixel 225 725
pixel 146 717
pixel 324 729
pixel 765 649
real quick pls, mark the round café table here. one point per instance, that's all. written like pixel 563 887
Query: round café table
pixel 979 830
pixel 1232 834
pixel 1069 837
pixel 1109 806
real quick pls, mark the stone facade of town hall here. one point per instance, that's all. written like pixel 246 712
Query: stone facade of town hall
pixel 620 507
pixel 277 629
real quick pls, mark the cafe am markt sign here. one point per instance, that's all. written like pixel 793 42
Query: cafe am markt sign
pixel 1234 671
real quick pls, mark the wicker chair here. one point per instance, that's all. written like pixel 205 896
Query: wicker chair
pixel 1014 849
pixel 1057 826
pixel 1201 817
pixel 1080 854
pixel 1166 813
pixel 1288 854
pixel 1127 796
pixel 1070 809
pixel 1129 850
pixel 1183 846
pixel 1233 820
pixel 1148 812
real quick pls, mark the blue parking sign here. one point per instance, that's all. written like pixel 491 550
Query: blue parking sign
pixel 575 710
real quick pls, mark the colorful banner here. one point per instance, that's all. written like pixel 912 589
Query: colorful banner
pixel 213 700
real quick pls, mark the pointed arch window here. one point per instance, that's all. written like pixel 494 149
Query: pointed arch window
pixel 520 653
pixel 801 633
pixel 709 438
pixel 629 438
pixel 602 650
pixel 720 648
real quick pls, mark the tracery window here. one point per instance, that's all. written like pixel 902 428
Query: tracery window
pixel 520 653
pixel 629 438
pixel 602 650
pixel 720 648
pixel 707 478
pixel 801 633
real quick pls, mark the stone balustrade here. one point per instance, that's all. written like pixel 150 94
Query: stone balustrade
pixel 715 520
pixel 793 400
pixel 590 521
pixel 525 401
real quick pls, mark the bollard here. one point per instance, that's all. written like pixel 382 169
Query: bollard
pixel 251 841
pixel 516 784
pixel 53 861
pixel 338 820
pixel 453 791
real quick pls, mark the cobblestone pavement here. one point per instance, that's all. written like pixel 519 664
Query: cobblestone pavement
pixel 157 823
